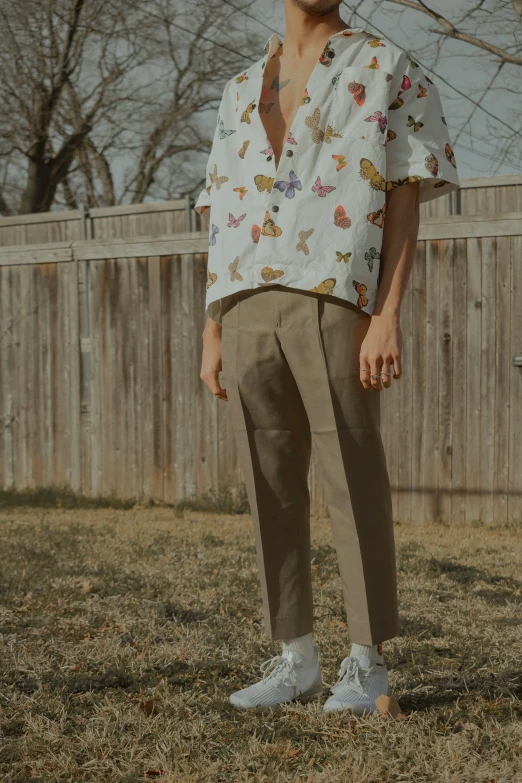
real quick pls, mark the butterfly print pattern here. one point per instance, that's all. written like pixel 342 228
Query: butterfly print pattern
pixel 215 179
pixel 263 182
pixel 213 234
pixel 243 149
pixel 377 218
pixel 327 55
pixel 374 64
pixel 361 288
pixel 245 117
pixel 317 134
pixel 358 91
pixel 432 164
pixel 380 119
pixel 289 188
pixel 222 132
pixel 326 287
pixel 322 190
pixel 234 274
pixel 370 257
pixel 341 219
pixel 269 275
pixel 449 154
pixel 303 236
pixel 415 124
pixel 369 121
pixel 235 222
pixel 242 191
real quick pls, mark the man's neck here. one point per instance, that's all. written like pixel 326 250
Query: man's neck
pixel 307 32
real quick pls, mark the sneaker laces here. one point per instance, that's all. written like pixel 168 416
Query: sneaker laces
pixel 351 674
pixel 281 669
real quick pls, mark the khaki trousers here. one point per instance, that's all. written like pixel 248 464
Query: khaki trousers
pixel 291 372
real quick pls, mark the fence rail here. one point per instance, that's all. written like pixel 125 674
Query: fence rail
pixel 477 196
pixel 100 345
pixel 167 217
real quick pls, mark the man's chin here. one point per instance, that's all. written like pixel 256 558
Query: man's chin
pixel 318 7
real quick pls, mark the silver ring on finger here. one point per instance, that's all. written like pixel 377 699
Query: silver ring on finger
pixel 375 376
pixel 386 373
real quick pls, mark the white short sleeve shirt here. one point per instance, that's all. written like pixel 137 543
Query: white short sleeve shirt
pixel 369 121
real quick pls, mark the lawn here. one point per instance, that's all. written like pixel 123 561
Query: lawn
pixel 124 631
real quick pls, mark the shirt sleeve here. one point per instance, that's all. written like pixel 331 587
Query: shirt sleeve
pixel 204 200
pixel 418 143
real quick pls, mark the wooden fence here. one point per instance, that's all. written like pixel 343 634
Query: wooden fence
pixel 100 346
pixel 136 220
pixel 479 195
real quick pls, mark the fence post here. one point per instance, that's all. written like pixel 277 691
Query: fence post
pixel 188 213
pixel 85 334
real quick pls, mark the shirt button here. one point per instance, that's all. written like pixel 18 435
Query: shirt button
pixel 269 158
pixel 275 208
pixel 289 153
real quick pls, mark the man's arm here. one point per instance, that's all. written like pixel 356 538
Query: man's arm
pixel 382 345
pixel 211 358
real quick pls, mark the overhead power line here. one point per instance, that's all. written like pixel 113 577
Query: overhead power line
pixel 441 78
pixel 245 13
pixel 131 4
pixel 185 29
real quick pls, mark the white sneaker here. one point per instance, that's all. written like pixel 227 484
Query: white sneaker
pixel 285 679
pixel 360 683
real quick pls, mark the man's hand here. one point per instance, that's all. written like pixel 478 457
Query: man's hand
pixel 381 348
pixel 382 345
pixel 211 358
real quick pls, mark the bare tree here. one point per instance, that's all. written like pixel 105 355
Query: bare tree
pixel 489 34
pixel 43 54
pixel 501 12
pixel 102 100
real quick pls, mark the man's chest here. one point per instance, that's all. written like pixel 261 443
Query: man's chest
pixel 282 93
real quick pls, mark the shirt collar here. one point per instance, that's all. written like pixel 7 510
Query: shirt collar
pixel 274 42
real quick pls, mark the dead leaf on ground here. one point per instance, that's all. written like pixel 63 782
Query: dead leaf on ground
pixel 388 706
pixel 148 707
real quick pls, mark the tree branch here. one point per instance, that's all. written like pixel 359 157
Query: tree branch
pixel 450 31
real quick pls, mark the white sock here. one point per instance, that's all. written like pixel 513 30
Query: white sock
pixel 303 645
pixel 374 653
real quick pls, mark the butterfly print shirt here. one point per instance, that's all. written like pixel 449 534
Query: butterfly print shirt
pixel 369 121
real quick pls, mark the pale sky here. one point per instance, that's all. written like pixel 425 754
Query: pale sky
pixel 465 67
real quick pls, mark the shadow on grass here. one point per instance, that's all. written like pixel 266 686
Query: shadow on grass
pixel 224 500
pixel 180 675
pixel 492 687
pixel 58 497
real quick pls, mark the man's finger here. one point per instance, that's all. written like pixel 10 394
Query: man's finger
pixel 212 381
pixel 397 367
pixel 364 374
pixel 375 377
pixel 386 374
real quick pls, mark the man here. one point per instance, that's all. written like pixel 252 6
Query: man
pixel 322 152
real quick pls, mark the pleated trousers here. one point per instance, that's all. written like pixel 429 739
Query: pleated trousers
pixel 290 363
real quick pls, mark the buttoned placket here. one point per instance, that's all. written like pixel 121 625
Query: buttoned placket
pixel 274 201
pixel 274 196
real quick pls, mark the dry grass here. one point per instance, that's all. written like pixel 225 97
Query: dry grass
pixel 123 632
